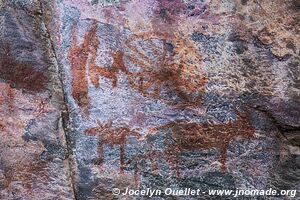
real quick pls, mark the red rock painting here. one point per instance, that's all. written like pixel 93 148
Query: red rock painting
pixel 162 77
pixel 189 136
pixel 176 69
pixel 113 136
pixel 78 56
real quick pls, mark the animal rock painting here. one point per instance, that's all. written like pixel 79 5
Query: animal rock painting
pixel 109 135
pixel 171 68
pixel 172 72
pixel 189 136
pixel 101 97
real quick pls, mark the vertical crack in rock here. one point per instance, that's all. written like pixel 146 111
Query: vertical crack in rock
pixel 64 116
pixel 31 151
pixel 102 94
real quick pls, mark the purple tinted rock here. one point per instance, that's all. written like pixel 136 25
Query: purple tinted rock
pixel 181 94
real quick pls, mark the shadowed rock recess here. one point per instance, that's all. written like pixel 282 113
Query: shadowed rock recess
pixel 103 94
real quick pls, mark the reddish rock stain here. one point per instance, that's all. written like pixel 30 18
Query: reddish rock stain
pixel 8 96
pixel 26 174
pixel 21 75
pixel 166 16
pixel 78 56
pixel 167 10
pixel 43 107
pixel 7 102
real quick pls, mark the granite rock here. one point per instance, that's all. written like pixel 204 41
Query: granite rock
pixel 33 150
pixel 105 94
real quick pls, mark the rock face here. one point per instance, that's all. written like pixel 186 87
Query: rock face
pixel 97 95
pixel 33 151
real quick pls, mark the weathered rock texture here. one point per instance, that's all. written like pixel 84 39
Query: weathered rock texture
pixel 99 94
pixel 33 151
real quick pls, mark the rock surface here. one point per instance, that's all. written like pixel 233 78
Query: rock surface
pixel 33 151
pixel 99 94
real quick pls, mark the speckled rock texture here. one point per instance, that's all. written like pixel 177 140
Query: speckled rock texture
pixel 102 94
pixel 33 150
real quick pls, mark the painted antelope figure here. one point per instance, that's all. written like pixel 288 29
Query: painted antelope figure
pixel 188 136
pixel 173 70
pixel 113 136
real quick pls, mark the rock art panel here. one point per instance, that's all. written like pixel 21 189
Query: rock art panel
pixel 99 94
pixel 164 82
